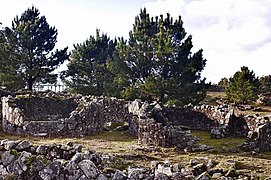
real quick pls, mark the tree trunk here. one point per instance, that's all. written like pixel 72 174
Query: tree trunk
pixel 30 82
pixel 161 98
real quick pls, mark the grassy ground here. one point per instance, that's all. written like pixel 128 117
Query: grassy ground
pixel 123 146
pixel 211 97
pixel 221 145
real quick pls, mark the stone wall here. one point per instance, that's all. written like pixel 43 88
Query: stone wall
pixel 114 110
pixel 45 108
pixel 64 117
pixel 259 137
pixel 188 118
pixel 166 126
pixel 151 132
pixel 263 138
pixel 61 115
pixel 255 119
pixel 3 93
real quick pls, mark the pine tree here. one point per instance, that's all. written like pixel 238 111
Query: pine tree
pixel 9 78
pixel 265 84
pixel 161 64
pixel 31 41
pixel 243 86
pixel 88 69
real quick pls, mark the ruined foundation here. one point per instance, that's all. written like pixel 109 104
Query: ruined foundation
pixel 152 123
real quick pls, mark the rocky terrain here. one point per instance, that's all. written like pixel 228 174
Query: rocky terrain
pixel 108 138
pixel 22 160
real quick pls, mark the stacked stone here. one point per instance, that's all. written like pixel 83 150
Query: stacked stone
pixel 217 113
pixel 12 114
pixel 259 139
pixel 189 118
pixel 254 120
pixel 3 93
pixel 61 121
pixel 264 136
pixel 177 137
pixel 151 132
pixel 45 108
pixel 231 125
pixel 116 110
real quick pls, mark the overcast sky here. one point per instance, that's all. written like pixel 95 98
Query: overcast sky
pixel 232 33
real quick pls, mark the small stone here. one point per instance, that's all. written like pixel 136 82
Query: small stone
pixel 204 176
pixel 119 175
pixel 192 162
pixel 217 175
pixel 89 169
pixel 42 150
pixel 7 157
pixel 8 145
pixel 76 158
pixel 163 169
pixel 161 177
pixel 23 145
pixel 101 177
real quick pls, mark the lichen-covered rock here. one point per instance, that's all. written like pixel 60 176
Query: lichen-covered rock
pixel 164 169
pixel 119 175
pixel 73 171
pixel 25 165
pixel 89 169
pixel 8 145
pixel 101 177
pixel 42 149
pixel 23 145
pixel 137 173
pixel 161 177
pixel 52 171
pixel 7 157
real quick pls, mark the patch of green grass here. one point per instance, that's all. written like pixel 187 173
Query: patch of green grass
pixel 218 144
pixel 114 136
pixel 265 110
pixel 211 97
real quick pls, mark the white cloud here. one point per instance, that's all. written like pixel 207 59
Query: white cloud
pixel 232 33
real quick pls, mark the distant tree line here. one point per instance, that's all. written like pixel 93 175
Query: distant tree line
pixel 154 63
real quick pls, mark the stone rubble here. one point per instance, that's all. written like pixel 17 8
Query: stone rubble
pixel 63 162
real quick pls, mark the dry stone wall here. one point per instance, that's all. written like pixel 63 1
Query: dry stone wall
pixel 61 116
pixel 166 126
pixel 3 93
pixel 259 139
pixel 64 117
pixel 151 132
